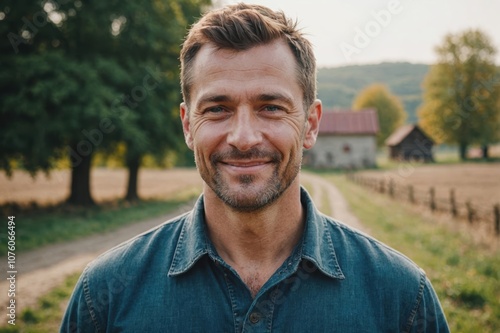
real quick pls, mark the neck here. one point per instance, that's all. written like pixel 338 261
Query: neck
pixel 259 241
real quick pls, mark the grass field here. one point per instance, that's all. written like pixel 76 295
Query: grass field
pixel 464 273
pixel 479 183
pixel 64 225
pixel 41 219
pixel 46 318
pixel 106 184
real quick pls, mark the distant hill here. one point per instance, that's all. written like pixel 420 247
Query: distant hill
pixel 337 87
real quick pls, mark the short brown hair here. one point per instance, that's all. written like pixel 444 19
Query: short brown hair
pixel 242 26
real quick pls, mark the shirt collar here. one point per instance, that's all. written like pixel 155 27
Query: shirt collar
pixel 317 246
pixel 193 241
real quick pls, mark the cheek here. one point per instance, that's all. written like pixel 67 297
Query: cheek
pixel 288 135
pixel 206 137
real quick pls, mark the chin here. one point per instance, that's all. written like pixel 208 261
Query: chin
pixel 249 196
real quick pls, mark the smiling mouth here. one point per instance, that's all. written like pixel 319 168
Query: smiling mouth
pixel 245 164
pixel 253 160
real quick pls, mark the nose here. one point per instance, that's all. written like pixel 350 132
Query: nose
pixel 244 132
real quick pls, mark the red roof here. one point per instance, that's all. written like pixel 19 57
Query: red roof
pixel 349 122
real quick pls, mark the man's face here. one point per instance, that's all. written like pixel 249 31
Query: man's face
pixel 246 123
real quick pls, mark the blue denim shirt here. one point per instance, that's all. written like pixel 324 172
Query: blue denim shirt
pixel 171 279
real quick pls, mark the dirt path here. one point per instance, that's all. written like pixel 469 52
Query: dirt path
pixel 338 205
pixel 41 270
pixel 45 268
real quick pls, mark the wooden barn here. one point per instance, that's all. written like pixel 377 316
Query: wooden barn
pixel 410 143
pixel 346 140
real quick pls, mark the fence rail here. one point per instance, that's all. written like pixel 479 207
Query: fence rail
pixel 468 210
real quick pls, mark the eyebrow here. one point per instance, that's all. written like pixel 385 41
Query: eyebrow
pixel 266 97
pixel 212 99
pixel 275 97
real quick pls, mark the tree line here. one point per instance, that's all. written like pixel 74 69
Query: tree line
pixel 339 86
pixel 85 78
pixel 461 96
pixel 80 78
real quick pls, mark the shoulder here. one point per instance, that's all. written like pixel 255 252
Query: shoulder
pixel 142 250
pixel 358 253
pixel 106 282
pixel 386 278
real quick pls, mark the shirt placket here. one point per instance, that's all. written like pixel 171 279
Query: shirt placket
pixel 255 315
pixel 260 315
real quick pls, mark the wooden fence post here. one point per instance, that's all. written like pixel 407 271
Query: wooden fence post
pixel 453 203
pixel 411 194
pixel 382 186
pixel 432 203
pixel 496 214
pixel 470 212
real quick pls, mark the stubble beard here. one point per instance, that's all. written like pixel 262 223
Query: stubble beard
pixel 244 196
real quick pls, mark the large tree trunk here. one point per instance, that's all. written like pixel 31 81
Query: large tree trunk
pixel 485 151
pixel 133 172
pixel 80 178
pixel 463 151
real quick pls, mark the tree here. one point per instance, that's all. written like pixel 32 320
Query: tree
pixel 79 77
pixel 390 111
pixel 48 114
pixel 153 101
pixel 461 93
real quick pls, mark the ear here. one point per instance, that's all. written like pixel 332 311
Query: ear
pixel 312 124
pixel 186 125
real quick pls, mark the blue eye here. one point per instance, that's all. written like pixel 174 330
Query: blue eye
pixel 216 109
pixel 272 108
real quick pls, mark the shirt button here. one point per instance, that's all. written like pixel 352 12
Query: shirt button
pixel 254 317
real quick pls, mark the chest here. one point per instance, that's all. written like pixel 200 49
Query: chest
pixel 219 301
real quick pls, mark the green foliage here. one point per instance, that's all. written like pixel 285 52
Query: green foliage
pixel 45 100
pixel 83 77
pixel 390 111
pixel 337 87
pixel 462 92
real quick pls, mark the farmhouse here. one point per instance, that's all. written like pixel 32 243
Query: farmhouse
pixel 410 143
pixel 346 140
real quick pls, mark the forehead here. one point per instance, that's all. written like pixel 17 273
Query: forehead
pixel 258 69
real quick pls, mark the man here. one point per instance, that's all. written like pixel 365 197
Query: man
pixel 254 255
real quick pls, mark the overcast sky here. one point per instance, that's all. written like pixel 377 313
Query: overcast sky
pixel 374 31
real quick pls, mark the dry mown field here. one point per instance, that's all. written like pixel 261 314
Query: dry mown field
pixel 106 184
pixel 477 183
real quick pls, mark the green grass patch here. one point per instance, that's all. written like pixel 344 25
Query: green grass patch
pixel 47 315
pixel 63 224
pixel 464 274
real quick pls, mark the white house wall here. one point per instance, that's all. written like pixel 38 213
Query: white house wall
pixel 330 152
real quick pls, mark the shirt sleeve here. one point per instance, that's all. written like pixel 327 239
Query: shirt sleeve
pixel 79 317
pixel 429 316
